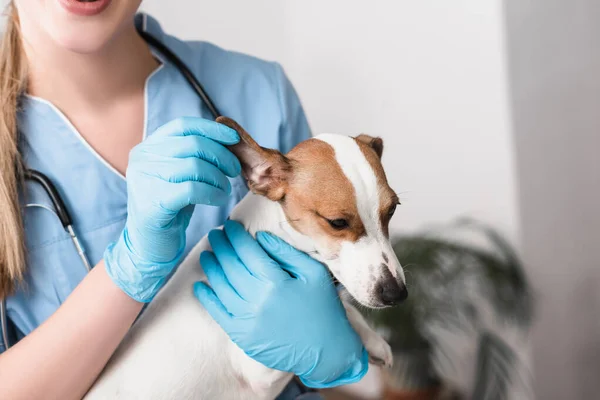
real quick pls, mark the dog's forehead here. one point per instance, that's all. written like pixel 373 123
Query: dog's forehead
pixel 353 162
pixel 357 164
pixel 331 156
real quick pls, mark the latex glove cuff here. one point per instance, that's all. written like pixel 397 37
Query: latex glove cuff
pixel 139 279
pixel 355 373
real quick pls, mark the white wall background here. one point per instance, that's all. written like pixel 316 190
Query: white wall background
pixel 428 76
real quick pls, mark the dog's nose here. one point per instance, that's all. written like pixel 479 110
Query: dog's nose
pixel 392 293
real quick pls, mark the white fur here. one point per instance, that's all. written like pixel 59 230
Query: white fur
pixel 176 351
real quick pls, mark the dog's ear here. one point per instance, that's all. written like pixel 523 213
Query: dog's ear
pixel 376 143
pixel 267 171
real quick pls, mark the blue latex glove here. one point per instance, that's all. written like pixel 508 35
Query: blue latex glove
pixel 182 164
pixel 281 307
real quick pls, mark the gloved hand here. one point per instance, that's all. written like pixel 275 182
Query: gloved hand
pixel 182 164
pixel 280 306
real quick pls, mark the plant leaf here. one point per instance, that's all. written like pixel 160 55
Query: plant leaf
pixel 495 361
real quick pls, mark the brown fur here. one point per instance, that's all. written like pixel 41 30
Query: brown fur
pixel 376 143
pixel 319 192
pixel 266 170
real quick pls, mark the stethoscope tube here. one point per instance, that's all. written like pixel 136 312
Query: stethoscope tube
pixel 59 206
pixel 180 65
pixel 4 324
pixel 60 210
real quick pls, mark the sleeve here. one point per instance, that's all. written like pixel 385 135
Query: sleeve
pixel 294 127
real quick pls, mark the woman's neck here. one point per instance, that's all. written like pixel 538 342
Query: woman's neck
pixel 74 80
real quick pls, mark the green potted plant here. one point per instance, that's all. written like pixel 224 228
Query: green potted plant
pixel 449 281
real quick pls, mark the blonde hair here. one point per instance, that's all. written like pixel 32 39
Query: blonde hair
pixel 12 84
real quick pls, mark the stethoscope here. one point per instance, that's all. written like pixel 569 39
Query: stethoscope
pixel 58 206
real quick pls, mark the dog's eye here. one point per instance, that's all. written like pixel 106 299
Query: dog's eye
pixel 338 224
pixel 392 210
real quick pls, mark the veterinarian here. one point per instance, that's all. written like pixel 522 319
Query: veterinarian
pixel 87 102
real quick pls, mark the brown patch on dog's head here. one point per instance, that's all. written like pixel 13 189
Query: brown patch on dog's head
pixel 321 201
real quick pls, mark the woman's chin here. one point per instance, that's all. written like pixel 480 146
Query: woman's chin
pixel 88 43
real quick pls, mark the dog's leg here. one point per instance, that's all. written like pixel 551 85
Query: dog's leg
pixel 379 350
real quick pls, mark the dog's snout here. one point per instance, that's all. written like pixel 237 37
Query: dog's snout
pixel 389 290
pixel 403 293
pixel 392 293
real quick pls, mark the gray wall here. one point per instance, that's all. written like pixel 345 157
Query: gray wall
pixel 554 64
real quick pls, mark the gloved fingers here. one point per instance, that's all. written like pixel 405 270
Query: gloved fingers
pixel 180 195
pixel 220 285
pixel 238 275
pixel 206 295
pixel 300 265
pixel 187 126
pixel 178 170
pixel 256 260
pixel 193 146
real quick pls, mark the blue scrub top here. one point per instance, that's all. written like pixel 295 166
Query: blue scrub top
pixel 254 92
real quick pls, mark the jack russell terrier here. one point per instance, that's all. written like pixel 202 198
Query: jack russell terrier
pixel 177 351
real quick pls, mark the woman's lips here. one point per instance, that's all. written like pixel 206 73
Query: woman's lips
pixel 85 8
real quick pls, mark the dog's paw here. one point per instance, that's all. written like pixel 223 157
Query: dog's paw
pixel 380 352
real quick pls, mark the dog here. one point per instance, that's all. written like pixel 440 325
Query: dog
pixel 329 197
